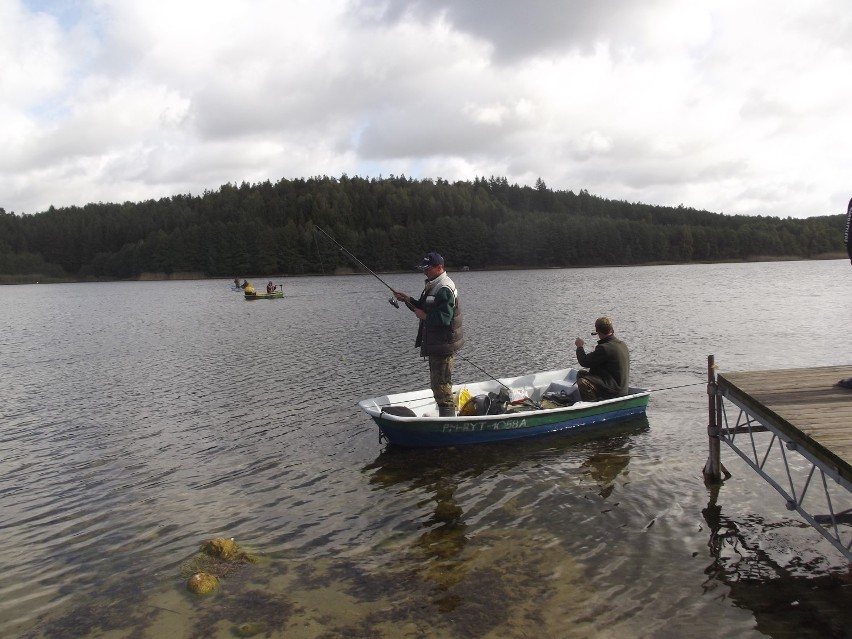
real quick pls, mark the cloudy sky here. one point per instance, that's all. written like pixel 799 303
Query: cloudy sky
pixel 724 105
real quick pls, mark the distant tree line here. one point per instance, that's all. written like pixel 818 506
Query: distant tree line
pixel 389 223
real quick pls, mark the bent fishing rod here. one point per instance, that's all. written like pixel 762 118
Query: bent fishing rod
pixel 411 306
pixel 346 252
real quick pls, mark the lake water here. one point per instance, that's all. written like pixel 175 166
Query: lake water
pixel 140 419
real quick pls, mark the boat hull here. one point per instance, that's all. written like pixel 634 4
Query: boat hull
pixel 428 430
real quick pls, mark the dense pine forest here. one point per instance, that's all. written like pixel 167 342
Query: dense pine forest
pixel 389 223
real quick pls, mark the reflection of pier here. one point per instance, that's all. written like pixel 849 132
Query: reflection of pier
pixel 800 422
pixel 781 596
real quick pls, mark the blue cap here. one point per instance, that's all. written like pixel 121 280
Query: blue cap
pixel 431 259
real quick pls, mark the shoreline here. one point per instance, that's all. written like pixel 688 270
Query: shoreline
pixel 11 280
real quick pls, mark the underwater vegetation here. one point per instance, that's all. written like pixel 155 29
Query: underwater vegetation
pixel 118 608
pixel 202 583
pixel 246 613
pixel 219 558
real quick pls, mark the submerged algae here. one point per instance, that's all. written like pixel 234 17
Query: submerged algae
pixel 274 611
pixel 220 557
pixel 251 628
pixel 224 548
pixel 202 583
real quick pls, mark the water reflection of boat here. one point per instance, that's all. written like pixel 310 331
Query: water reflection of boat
pixel 412 420
pixel 425 468
pixel 435 475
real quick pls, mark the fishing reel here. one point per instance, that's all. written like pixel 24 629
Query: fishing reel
pixel 394 302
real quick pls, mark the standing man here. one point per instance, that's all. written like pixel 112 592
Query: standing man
pixel 609 365
pixel 439 335
pixel 847 236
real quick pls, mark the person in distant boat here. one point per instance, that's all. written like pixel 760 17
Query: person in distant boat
pixel 236 282
pixel 847 236
pixel 270 287
pixel 608 373
pixel 245 284
pixel 439 334
pixel 249 289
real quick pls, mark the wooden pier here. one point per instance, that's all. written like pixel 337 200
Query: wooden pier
pixel 806 413
pixel 805 405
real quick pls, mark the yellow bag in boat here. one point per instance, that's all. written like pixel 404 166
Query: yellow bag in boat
pixel 468 409
pixel 462 399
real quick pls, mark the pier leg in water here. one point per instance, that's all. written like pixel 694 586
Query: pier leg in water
pixel 714 468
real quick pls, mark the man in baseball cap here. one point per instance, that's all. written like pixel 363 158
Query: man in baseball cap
pixel 608 373
pixel 432 259
pixel 439 334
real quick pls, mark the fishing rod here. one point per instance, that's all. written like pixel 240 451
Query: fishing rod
pixel 487 374
pixel 343 249
pixel 481 370
pixel 395 303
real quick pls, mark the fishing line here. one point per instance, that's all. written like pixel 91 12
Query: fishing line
pixel 657 390
pixel 395 303
pixel 319 254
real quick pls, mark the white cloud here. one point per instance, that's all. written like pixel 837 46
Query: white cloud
pixel 726 106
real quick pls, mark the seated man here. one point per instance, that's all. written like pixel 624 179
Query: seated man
pixel 270 287
pixel 609 365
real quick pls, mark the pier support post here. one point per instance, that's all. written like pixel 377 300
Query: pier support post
pixel 713 467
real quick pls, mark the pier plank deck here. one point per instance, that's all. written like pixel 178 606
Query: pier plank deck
pixel 805 405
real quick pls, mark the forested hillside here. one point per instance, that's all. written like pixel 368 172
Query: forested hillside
pixel 389 223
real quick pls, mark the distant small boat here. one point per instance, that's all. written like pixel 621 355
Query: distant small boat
pixel 275 295
pixel 412 420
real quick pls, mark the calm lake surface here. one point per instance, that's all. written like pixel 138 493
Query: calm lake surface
pixel 140 419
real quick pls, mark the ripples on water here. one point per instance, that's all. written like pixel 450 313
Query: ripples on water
pixel 139 419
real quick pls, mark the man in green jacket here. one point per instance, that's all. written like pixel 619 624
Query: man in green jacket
pixel 439 334
pixel 608 373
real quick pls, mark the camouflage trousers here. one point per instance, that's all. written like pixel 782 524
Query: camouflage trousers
pixel 588 390
pixel 441 378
